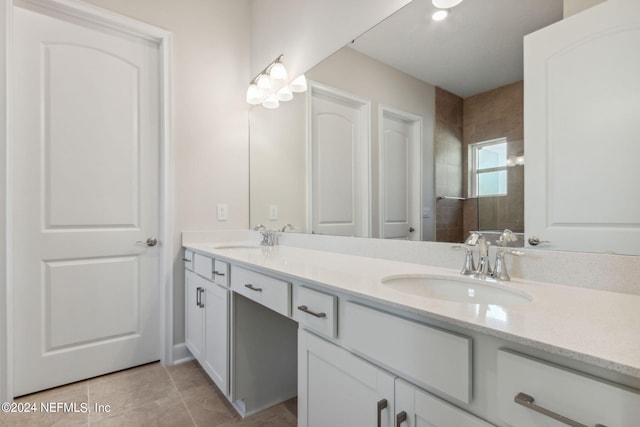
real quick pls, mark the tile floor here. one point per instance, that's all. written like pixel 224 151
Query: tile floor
pixel 149 395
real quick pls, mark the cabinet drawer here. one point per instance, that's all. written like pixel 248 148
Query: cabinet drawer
pixel 316 311
pixel 203 266
pixel 428 356
pixel 268 291
pixel 221 273
pixel 188 260
pixel 581 398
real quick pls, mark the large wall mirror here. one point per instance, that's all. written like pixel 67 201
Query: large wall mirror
pixel 433 115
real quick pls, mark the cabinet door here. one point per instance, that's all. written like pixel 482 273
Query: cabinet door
pixel 582 93
pixel 338 389
pixel 216 360
pixel 194 333
pixel 415 407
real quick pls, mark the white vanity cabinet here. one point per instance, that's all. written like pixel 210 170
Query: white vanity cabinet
pixel 206 321
pixel 338 389
pixel 534 393
pixel 194 314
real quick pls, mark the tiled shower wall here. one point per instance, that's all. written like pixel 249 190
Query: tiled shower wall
pixel 489 115
pixel 448 156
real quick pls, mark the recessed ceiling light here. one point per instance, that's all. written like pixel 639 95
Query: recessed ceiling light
pixel 445 4
pixel 440 15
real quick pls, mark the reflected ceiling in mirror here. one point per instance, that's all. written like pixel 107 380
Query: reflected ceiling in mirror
pixel 478 46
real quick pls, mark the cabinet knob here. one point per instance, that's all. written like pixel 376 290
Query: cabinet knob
pixel 250 286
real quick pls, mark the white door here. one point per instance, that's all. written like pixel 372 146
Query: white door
pixel 85 190
pixel 400 167
pixel 582 93
pixel 339 179
pixel 338 389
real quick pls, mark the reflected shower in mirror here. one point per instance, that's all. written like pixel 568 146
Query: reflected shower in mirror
pixel 458 82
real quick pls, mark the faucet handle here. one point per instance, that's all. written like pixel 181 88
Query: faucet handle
pixel 469 266
pixel 506 237
pixel 500 268
pixel 472 240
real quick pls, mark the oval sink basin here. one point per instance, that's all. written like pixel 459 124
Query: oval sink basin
pixel 472 291
pixel 236 247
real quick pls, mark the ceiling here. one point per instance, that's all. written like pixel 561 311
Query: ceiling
pixel 478 47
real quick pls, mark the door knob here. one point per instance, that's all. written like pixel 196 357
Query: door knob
pixel 535 241
pixel 151 241
pixel 411 229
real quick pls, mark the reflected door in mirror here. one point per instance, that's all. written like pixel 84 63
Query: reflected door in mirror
pixel 339 178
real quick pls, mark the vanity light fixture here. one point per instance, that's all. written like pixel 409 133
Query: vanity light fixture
pixel 285 94
pixel 440 15
pixel 299 84
pixel 269 87
pixel 445 4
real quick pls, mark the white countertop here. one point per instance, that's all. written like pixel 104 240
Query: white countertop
pixel 597 327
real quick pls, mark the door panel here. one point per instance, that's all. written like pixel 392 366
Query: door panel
pixel 78 83
pixel 339 170
pixel 104 286
pixel 581 90
pixel 400 199
pixel 86 187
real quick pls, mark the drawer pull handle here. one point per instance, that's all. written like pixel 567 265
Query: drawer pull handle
pixel 529 402
pixel 400 418
pixel 250 286
pixel 217 273
pixel 311 312
pixel 199 297
pixel 186 259
pixel 383 404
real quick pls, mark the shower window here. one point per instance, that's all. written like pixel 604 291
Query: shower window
pixel 488 168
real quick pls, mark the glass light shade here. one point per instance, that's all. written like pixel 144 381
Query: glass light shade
pixel 285 94
pixel 271 102
pixel 264 82
pixel 278 72
pixel 440 15
pixel 445 4
pixel 299 84
pixel 253 95
pixel 520 160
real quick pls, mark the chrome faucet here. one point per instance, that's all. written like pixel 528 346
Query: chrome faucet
pixel 500 270
pixel 483 269
pixel 268 236
pixel 287 227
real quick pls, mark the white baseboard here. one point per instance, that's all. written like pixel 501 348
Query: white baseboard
pixel 181 354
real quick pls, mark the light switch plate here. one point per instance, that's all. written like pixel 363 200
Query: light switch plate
pixel 223 211
pixel 273 212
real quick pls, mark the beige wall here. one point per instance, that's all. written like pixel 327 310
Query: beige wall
pixel 307 31
pixel 571 7
pixel 210 135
